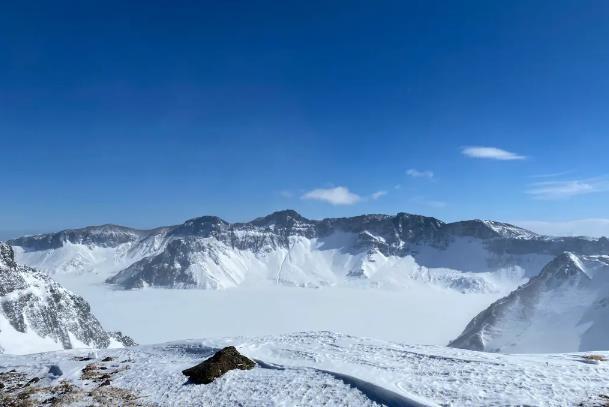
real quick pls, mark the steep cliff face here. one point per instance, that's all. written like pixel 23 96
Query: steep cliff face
pixel 285 247
pixel 561 309
pixel 37 314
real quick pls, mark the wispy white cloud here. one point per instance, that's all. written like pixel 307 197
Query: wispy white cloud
pixel 414 173
pixel 376 195
pixel 334 196
pixel 551 175
pixel 594 227
pixel 286 193
pixel 492 153
pixel 566 189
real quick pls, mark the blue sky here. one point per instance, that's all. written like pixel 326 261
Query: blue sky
pixel 151 113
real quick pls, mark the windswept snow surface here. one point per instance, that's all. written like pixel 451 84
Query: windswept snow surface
pixel 324 368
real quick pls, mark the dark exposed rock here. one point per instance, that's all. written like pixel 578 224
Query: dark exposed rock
pixel 221 362
pixel 7 256
pixel 55 370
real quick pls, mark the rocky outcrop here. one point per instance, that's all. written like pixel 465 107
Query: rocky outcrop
pixel 223 361
pixel 39 309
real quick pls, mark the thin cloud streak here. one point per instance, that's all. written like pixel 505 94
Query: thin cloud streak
pixel 414 173
pixel 376 195
pixel 554 190
pixel 551 175
pixel 491 153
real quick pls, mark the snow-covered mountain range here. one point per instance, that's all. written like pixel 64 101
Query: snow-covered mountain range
pixel 561 308
pixel 564 308
pixel 37 314
pixel 286 248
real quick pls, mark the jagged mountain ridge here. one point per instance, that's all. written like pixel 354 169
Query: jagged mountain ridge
pixel 564 308
pixel 38 314
pixel 208 252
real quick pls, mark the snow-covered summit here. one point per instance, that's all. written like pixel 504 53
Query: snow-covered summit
pixel 285 218
pixel 563 308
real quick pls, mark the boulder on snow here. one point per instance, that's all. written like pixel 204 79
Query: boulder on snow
pixel 221 362
pixel 55 370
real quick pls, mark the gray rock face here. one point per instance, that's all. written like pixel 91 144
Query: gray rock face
pixel 102 236
pixel 206 242
pixel 36 305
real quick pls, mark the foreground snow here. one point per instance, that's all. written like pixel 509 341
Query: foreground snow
pixel 325 368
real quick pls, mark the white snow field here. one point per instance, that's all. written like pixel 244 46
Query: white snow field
pixel 313 369
pixel 419 313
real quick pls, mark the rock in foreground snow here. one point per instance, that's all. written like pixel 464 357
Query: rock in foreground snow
pixel 223 361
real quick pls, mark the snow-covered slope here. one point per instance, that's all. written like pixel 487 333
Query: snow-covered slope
pixel 104 249
pixel 308 369
pixel 286 248
pixel 37 314
pixel 564 308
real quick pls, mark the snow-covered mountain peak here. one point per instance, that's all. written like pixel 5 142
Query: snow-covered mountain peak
pixel 564 267
pixel 204 226
pixel 555 311
pixel 284 218
pixel 509 231
pixel 486 229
